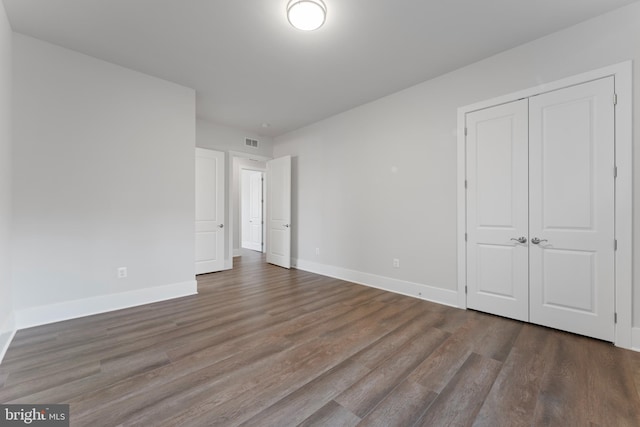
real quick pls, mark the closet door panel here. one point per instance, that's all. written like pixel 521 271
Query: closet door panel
pixel 497 263
pixel 571 167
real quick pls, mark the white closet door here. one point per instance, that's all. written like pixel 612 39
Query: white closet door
pixel 210 236
pixel 572 209
pixel 497 210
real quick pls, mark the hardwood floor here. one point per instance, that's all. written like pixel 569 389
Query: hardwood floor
pixel 264 346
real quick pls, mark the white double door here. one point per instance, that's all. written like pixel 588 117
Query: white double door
pixel 540 209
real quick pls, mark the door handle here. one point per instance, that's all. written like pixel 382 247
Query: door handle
pixel 220 225
pixel 535 240
pixel 286 225
pixel 520 239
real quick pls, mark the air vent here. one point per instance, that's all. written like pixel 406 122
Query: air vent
pixel 251 142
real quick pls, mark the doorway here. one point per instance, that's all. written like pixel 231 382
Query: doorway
pixel 240 162
pixel 276 229
pixel 252 209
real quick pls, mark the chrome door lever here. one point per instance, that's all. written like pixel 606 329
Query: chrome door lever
pixel 520 239
pixel 535 240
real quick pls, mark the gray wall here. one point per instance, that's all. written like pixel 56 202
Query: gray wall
pixel 379 182
pixel 103 177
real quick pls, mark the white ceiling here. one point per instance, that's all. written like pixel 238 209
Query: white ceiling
pixel 249 66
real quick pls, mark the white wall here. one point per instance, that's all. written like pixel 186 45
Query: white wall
pixel 379 182
pixel 6 137
pixel 103 178
pixel 231 140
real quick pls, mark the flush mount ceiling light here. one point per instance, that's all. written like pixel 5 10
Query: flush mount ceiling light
pixel 306 15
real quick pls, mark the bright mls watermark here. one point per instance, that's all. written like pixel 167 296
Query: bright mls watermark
pixel 34 415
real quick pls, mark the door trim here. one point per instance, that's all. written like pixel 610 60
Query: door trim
pixel 622 74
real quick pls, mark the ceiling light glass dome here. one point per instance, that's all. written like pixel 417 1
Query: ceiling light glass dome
pixel 306 15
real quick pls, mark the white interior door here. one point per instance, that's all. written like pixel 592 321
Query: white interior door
pixel 572 209
pixel 210 236
pixel 279 211
pixel 497 210
pixel 252 209
pixel 255 210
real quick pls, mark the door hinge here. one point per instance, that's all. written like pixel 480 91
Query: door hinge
pixel 465 184
pixel 615 99
pixel 465 289
pixel 615 317
pixel 466 236
pixel 615 171
pixel 465 131
pixel 615 244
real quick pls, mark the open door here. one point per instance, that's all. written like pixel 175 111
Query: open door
pixel 210 236
pixel 279 211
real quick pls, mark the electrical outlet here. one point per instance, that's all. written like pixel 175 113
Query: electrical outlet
pixel 122 272
pixel 396 263
pixel 317 251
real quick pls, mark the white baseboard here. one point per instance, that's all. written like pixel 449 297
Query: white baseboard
pixel 7 332
pixel 41 315
pixel 237 252
pixel 635 339
pixel 416 290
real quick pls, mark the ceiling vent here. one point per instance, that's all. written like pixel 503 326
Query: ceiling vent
pixel 253 143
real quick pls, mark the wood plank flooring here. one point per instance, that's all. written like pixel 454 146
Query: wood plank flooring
pixel 264 346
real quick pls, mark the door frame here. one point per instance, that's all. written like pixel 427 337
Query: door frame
pixel 234 187
pixel 622 73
